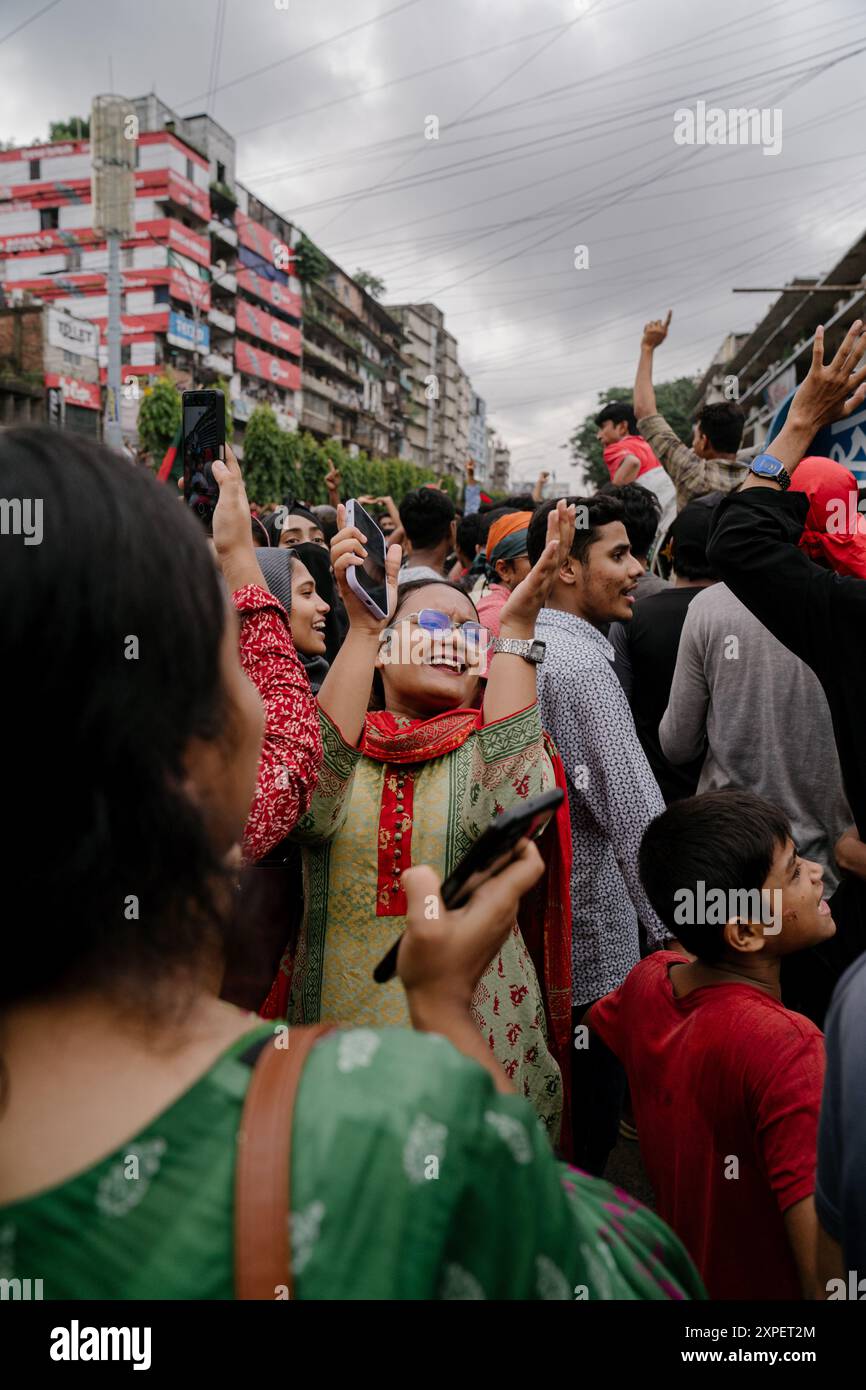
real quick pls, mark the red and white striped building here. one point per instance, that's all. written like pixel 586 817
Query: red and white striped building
pixel 208 288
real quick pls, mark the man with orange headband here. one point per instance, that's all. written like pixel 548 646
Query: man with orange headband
pixel 507 564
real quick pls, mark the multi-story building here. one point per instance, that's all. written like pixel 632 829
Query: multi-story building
pixel 760 369
pixel 499 462
pixel 422 324
pixel 207 283
pixel 354 375
pixel 478 438
pixel 446 419
pixel 49 367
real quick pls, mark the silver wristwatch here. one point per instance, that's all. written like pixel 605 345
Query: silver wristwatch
pixel 529 647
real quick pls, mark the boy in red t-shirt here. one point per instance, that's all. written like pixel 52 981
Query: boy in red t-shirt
pixel 724 1080
pixel 630 459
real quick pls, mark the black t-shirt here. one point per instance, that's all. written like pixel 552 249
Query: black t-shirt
pixel 653 638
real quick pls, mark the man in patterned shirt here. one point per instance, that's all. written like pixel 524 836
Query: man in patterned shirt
pixel 612 793
pixel 715 462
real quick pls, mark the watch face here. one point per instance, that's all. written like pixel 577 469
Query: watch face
pixel 766 466
pixel 537 650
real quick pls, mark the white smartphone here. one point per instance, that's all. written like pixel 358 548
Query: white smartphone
pixel 367 581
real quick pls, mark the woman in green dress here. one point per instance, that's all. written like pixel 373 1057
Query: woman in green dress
pixel 416 1169
pixel 417 783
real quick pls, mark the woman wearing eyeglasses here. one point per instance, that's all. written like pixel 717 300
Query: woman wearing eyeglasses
pixel 417 781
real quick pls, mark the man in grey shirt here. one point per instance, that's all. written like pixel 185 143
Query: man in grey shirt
pixel 763 719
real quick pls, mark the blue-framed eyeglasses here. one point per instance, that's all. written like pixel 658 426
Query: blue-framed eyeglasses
pixel 434 621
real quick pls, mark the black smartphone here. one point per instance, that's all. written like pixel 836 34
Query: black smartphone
pixel 204 440
pixel 368 581
pixel 492 851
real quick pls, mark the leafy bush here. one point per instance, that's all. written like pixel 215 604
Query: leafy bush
pixel 159 417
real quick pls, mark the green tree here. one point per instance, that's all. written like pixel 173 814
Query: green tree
pixel 673 400
pixel 371 283
pixel 310 262
pixel 159 417
pixel 76 128
pixel 263 457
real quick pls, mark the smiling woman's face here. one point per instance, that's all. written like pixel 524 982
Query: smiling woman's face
pixel 308 612
pixel 424 675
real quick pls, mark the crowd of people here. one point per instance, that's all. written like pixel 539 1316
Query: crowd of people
pixel 260 787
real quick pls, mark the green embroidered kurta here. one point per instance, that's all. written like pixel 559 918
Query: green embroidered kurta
pixel 411 1178
pixel 349 918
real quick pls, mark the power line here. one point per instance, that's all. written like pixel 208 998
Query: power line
pixel 413 155
pixel 25 22
pixel 300 52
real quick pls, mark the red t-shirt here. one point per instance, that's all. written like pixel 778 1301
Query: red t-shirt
pixel 630 444
pixel 724 1073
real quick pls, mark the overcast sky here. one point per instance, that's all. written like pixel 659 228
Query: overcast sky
pixel 556 125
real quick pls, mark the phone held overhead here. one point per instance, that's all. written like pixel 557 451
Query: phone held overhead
pixel 204 441
pixel 367 580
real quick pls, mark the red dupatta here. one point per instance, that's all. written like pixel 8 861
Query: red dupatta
pixel 391 738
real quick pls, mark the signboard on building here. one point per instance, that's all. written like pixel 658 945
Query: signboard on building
pixel 73 334
pixel 73 391
pixel 260 324
pixel 271 292
pixel 844 441
pixel 256 362
pixel 182 332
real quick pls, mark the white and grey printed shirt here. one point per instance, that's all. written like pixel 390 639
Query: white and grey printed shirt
pixel 612 796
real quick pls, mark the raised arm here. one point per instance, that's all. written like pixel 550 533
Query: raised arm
pixel 830 391
pixel 345 692
pixel 292 748
pixel 628 471
pixel 511 685
pixel 654 334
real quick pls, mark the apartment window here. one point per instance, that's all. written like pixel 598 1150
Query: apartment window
pixel 73 259
pixel 221 172
pixel 189 169
pixel 35 169
pixel 160 294
pixel 49 218
pixel 126 257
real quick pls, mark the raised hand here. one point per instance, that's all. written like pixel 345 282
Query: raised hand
pixel 832 390
pixel 656 331
pixel 348 549
pixel 232 526
pixel 520 612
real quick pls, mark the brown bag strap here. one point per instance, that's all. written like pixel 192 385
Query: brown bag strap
pixel 263 1257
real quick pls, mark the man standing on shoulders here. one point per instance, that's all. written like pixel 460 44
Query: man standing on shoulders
pixel 612 793
pixel 713 463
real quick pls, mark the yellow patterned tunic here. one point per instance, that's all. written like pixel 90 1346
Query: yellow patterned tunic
pixel 368 821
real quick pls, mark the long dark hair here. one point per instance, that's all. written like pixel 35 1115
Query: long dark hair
pixel 112 632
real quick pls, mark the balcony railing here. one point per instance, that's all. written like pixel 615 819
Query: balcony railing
pixel 221 320
pixel 223 231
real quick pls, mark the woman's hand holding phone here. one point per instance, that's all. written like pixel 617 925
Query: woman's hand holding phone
pixel 347 549
pixel 443 953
